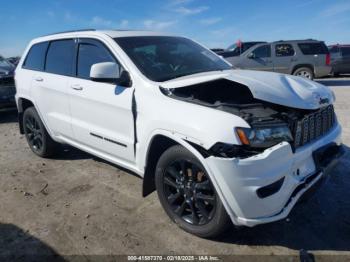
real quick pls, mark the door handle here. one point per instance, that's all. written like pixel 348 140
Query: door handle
pixel 77 87
pixel 39 79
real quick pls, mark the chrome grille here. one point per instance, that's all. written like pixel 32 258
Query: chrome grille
pixel 313 126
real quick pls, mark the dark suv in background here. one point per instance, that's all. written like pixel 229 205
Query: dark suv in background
pixel 340 59
pixel 7 86
pixel 306 58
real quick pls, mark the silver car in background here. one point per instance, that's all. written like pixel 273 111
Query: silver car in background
pixel 306 58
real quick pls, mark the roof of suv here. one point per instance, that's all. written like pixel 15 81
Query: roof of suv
pixel 300 40
pixel 111 33
pixel 340 45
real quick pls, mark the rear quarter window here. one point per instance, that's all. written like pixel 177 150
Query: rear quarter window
pixel 36 57
pixel 313 48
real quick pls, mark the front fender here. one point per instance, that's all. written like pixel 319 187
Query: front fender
pixel 184 141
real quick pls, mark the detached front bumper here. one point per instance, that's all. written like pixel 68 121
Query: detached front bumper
pixel 265 187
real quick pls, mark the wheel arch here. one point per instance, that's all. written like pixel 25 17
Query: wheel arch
pixel 160 141
pixel 22 104
pixel 158 145
pixel 177 139
pixel 310 66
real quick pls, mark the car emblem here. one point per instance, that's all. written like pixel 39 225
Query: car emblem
pixel 320 100
pixel 324 100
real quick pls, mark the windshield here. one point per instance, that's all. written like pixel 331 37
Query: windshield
pixel 161 58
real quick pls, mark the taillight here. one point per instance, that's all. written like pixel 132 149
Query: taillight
pixel 328 59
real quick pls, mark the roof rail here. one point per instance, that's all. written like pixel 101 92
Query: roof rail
pixel 72 31
pixel 296 40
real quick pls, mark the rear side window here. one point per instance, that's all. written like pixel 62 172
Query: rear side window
pixel 313 48
pixel 345 51
pixel 262 51
pixel 36 57
pixel 59 59
pixel 90 54
pixel 284 50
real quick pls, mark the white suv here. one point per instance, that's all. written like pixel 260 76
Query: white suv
pixel 217 144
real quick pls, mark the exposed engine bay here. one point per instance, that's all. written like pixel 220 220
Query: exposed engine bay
pixel 222 94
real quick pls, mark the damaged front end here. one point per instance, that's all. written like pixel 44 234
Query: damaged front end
pixel 270 123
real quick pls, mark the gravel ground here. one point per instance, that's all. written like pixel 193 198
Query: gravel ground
pixel 77 204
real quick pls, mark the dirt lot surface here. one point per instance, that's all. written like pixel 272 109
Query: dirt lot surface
pixel 77 204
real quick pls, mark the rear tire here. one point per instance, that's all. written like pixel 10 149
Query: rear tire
pixel 304 72
pixel 187 194
pixel 36 134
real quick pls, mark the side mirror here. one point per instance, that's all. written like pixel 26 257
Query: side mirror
pixel 251 56
pixel 109 72
pixel 105 72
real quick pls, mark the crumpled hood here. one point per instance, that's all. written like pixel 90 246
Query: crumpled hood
pixel 287 90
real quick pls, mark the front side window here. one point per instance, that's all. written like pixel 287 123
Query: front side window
pixel 89 54
pixel 59 59
pixel 262 51
pixel 162 58
pixel 237 50
pixel 284 50
pixel 36 57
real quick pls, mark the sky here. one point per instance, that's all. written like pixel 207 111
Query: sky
pixel 213 23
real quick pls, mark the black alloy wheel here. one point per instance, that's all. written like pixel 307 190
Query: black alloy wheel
pixel 187 194
pixel 34 133
pixel 37 137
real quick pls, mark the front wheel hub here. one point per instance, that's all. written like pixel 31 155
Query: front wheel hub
pixel 189 192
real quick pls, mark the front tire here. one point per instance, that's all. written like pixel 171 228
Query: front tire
pixel 36 134
pixel 304 72
pixel 187 194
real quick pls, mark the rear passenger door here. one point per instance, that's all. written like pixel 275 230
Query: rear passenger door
pixel 50 86
pixel 284 58
pixel 102 116
pixel 258 59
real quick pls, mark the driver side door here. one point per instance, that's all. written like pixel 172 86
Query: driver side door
pixel 102 118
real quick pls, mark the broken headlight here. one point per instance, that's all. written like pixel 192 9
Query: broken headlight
pixel 264 136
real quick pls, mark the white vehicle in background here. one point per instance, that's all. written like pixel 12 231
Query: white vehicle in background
pixel 217 144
